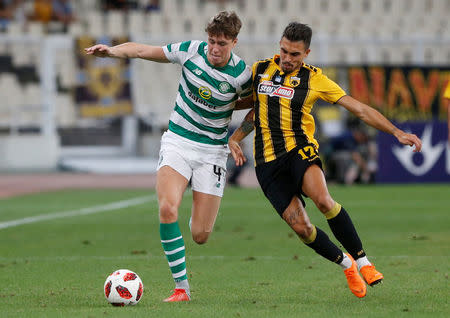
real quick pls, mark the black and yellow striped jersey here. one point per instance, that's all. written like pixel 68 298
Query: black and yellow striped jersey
pixel 283 104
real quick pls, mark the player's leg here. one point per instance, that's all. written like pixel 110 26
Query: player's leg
pixel 170 187
pixel 295 215
pixel 204 212
pixel 281 187
pixel 208 183
pixel 314 186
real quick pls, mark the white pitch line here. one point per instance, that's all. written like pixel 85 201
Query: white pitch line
pixel 84 211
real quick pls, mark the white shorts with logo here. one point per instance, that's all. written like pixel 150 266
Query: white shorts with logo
pixel 204 165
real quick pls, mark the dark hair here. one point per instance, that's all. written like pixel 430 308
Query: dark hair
pixel 226 23
pixel 296 32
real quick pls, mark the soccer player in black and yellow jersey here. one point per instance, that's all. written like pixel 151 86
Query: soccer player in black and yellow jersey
pixel 286 154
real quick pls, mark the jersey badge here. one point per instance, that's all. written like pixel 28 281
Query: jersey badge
pixel 294 81
pixel 224 87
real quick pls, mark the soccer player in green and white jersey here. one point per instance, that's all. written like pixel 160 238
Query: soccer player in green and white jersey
pixel 195 146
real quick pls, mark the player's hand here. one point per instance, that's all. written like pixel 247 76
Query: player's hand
pixel 99 50
pixel 236 152
pixel 410 140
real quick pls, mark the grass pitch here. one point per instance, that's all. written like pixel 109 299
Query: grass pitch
pixel 252 266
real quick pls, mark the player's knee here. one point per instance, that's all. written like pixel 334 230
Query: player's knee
pixel 168 212
pixel 324 203
pixel 200 237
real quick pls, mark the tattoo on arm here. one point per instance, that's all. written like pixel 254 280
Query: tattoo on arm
pixel 247 126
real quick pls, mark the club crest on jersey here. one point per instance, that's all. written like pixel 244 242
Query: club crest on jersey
pixel 224 87
pixel 294 81
pixel 269 88
pixel 204 92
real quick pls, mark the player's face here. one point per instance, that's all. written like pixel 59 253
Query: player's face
pixel 292 54
pixel 219 49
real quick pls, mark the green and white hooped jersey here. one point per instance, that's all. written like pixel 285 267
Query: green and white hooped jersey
pixel 206 94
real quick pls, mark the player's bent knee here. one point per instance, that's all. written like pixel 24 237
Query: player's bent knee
pixel 324 203
pixel 168 213
pixel 201 237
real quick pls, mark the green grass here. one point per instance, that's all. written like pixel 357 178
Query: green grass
pixel 252 265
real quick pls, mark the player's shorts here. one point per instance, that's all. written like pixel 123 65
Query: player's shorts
pixel 282 178
pixel 203 165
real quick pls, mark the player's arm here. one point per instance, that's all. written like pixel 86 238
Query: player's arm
pixel 246 128
pixel 244 103
pixel 375 119
pixel 129 50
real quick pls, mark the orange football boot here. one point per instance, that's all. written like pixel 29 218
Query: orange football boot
pixel 355 282
pixel 371 275
pixel 178 295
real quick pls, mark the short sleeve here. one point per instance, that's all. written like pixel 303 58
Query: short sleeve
pixel 180 52
pixel 246 87
pixel 447 90
pixel 327 89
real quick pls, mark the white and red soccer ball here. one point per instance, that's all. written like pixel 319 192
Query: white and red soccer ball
pixel 123 287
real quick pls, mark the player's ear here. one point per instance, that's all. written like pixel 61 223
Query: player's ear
pixel 307 52
pixel 235 41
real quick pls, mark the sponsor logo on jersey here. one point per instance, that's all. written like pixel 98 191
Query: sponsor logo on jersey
pixel 197 99
pixel 224 87
pixel 263 76
pixel 198 71
pixel 204 92
pixel 269 88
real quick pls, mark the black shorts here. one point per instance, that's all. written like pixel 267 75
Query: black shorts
pixel 282 178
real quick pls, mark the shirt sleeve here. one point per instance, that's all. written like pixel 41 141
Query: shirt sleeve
pixel 246 88
pixel 447 90
pixel 180 52
pixel 327 89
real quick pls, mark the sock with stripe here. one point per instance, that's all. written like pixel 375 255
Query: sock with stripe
pixel 173 245
pixel 321 243
pixel 343 229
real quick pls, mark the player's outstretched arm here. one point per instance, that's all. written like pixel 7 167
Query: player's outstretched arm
pixel 246 127
pixel 375 119
pixel 129 50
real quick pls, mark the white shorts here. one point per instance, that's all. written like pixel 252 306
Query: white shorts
pixel 204 165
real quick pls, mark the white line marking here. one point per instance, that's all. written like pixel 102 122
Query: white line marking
pixel 84 211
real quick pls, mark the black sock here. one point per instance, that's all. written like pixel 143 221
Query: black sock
pixel 324 247
pixel 345 232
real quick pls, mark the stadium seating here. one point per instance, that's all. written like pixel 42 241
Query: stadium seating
pixel 346 32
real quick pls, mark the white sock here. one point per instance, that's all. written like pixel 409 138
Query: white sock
pixel 184 284
pixel 362 261
pixel 346 262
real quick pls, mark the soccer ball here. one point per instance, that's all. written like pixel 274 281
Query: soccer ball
pixel 123 287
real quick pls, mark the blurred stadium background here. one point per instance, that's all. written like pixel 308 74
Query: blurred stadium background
pixel 62 110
